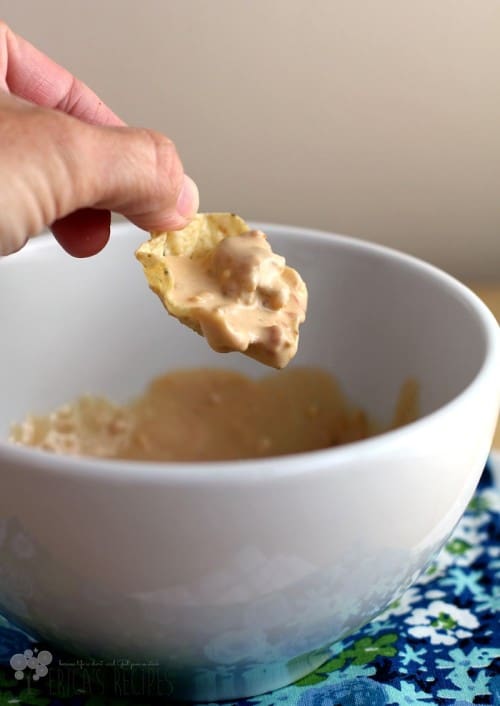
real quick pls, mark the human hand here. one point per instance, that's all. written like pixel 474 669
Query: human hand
pixel 66 160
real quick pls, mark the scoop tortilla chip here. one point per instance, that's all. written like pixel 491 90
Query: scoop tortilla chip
pixel 234 291
pixel 201 235
pixel 195 241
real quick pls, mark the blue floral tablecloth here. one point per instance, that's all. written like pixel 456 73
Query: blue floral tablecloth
pixel 438 644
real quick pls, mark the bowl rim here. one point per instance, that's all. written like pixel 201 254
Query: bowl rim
pixel 270 468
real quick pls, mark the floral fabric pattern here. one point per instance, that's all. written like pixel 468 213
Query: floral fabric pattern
pixel 438 644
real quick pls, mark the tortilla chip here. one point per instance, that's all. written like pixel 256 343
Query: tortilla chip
pixel 196 240
pixel 178 267
pixel 200 236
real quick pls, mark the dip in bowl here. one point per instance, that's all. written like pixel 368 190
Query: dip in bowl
pixel 233 576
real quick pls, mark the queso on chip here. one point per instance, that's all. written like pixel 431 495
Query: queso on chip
pixel 222 279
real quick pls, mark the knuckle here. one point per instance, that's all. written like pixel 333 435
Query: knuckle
pixel 166 168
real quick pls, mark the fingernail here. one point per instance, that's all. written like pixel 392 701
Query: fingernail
pixel 189 199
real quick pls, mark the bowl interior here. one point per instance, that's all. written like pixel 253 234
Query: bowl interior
pixel 92 326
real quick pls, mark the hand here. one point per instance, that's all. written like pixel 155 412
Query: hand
pixel 66 160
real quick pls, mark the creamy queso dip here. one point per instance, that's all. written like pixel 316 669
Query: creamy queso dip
pixel 239 294
pixel 207 415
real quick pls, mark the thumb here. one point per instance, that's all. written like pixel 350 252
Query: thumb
pixel 86 231
pixel 134 172
pixel 137 173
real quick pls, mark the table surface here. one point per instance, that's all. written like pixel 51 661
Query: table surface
pixel 490 294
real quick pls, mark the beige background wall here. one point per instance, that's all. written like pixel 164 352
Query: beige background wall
pixel 376 118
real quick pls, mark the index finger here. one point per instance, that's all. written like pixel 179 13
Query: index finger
pixel 30 74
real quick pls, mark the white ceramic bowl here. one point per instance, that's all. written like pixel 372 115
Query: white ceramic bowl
pixel 234 576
